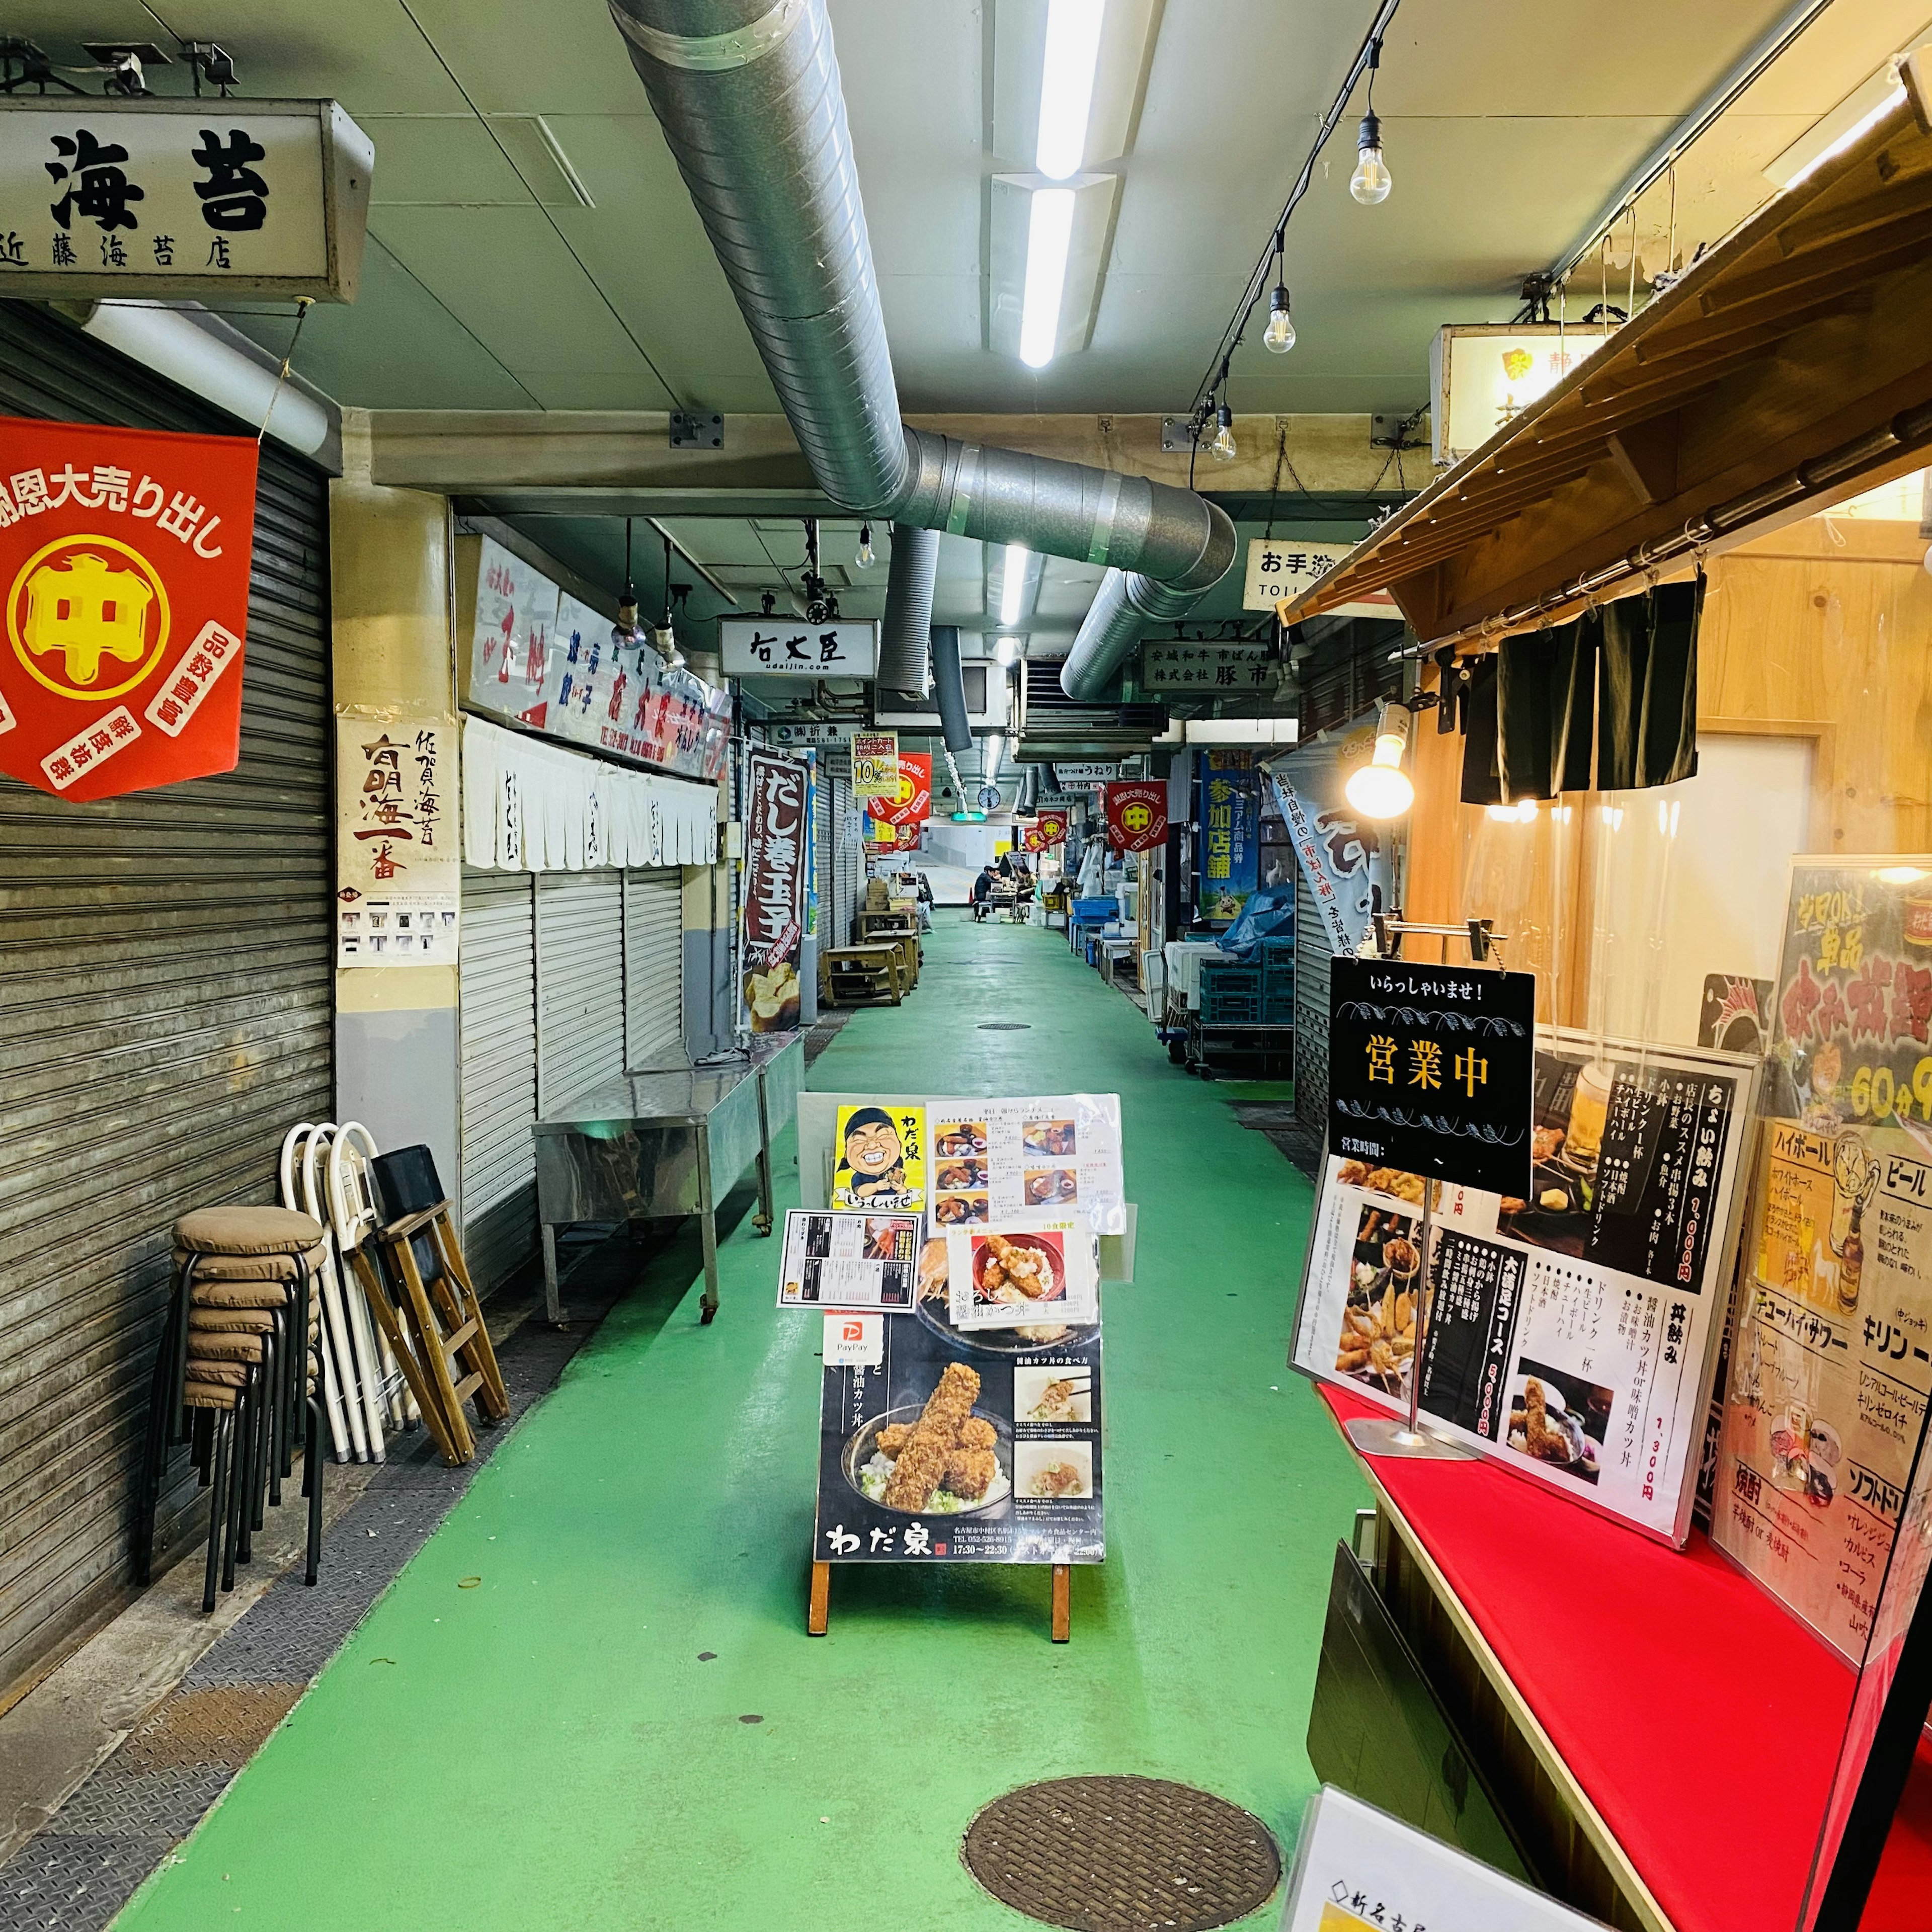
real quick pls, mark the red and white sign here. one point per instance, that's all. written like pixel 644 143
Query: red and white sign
pixel 125 557
pixel 1137 815
pixel 913 803
pixel 1049 829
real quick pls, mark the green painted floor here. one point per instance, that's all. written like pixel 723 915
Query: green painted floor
pixel 546 1749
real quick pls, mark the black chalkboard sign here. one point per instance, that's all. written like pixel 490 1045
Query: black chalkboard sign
pixel 1431 1070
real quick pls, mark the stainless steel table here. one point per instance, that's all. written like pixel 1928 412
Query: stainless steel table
pixel 668 1141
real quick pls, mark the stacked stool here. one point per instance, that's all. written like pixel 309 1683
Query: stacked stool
pixel 237 1369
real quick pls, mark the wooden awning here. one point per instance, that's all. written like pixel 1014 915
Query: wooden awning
pixel 1791 365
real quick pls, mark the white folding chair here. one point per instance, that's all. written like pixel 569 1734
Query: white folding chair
pixel 338 1295
pixel 354 1215
pixel 298 1144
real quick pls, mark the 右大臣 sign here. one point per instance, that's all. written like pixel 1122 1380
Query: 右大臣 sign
pixel 148 197
pixel 781 647
pixel 124 556
pixel 1432 1070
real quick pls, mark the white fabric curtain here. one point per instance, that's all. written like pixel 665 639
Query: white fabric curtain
pixel 531 807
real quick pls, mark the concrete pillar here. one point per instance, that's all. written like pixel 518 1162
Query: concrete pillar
pixel 397 1055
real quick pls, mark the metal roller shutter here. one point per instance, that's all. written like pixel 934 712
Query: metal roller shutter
pixel 166 1013
pixel 499 1015
pixel 653 967
pixel 1312 953
pixel 580 962
pixel 847 853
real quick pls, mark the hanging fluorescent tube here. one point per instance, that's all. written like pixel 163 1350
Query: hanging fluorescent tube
pixel 1049 236
pixel 992 749
pixel 1012 584
pixel 1005 649
pixel 1066 86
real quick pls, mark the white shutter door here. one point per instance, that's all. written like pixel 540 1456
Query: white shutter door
pixel 653 967
pixel 580 983
pixel 498 1008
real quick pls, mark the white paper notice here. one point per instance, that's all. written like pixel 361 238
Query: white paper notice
pixel 1017 1274
pixel 998 1160
pixel 849 1261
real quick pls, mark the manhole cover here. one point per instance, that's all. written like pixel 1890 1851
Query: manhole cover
pixel 1005 1026
pixel 1122 1855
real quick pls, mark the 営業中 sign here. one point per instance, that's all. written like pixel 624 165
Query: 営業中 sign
pixel 875 764
pixel 128 198
pixel 784 647
pixel 124 556
pixel 1431 1070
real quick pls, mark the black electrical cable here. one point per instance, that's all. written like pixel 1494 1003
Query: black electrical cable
pixel 1232 335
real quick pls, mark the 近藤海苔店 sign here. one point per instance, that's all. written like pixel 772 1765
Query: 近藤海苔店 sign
pixel 782 647
pixel 127 198
pixel 124 556
pixel 774 911
pixel 1430 1070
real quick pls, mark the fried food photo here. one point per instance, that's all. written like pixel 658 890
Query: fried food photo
pixel 944 1461
pixel 1378 1342
pixel 1011 1271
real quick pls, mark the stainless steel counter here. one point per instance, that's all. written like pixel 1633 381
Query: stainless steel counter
pixel 664 1142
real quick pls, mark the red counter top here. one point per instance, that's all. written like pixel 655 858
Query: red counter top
pixel 1700 1719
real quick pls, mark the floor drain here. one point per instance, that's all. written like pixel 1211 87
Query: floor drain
pixel 1122 1855
pixel 1005 1026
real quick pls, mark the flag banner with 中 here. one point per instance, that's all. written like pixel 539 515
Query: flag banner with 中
pixel 125 556
pixel 774 908
pixel 398 867
pixel 1050 827
pixel 911 803
pixel 1137 815
pixel 875 763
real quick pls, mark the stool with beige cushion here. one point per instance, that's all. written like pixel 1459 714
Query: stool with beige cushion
pixel 238 1363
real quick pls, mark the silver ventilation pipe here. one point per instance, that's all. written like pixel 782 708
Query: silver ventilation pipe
pixel 748 96
pixel 905 639
pixel 949 688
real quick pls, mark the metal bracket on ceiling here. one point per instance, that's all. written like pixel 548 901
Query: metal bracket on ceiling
pixel 696 432
pixel 1178 432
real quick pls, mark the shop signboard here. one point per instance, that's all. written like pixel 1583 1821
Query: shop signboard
pixel 398 866
pixel 146 198
pixel 1049 829
pixel 1230 834
pixel 1340 853
pixel 1087 777
pixel 875 764
pixel 774 889
pixel 1831 1367
pixel 1358 1870
pixel 1483 375
pixel 1574 1330
pixel 544 659
pixel 125 554
pixel 1137 815
pixel 1430 1070
pixel 1233 669
pixel 784 647
pixel 1280 568
pixel 793 736
pixel 910 800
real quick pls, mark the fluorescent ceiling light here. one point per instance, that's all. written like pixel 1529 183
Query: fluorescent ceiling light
pixel 1012 583
pixel 992 749
pixel 1243 730
pixel 1049 234
pixel 1005 649
pixel 1066 85
pixel 1844 126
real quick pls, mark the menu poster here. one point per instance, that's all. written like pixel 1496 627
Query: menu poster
pixel 1573 1330
pixel 982 1449
pixel 1008 1277
pixel 1356 1869
pixel 865 1261
pixel 997 1160
pixel 878 1159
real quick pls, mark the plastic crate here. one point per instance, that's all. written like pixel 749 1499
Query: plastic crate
pixel 1278 1006
pixel 1231 994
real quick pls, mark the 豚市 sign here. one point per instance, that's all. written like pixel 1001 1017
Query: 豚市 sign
pixel 1432 1070
pixel 784 647
pixel 147 197
pixel 1188 667
pixel 1279 569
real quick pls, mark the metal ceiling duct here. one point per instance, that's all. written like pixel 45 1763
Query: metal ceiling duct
pixel 949 688
pixel 749 95
pixel 905 637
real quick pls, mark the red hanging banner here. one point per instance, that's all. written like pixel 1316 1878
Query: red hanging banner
pixel 1050 828
pixel 914 804
pixel 125 557
pixel 1137 815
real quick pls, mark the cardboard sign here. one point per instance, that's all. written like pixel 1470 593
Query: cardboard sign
pixel 125 554
pixel 1137 815
pixel 1432 1071
pixel 774 916
pixel 875 764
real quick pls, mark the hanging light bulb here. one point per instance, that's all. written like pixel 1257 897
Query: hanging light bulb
pixel 867 555
pixel 624 631
pixel 1371 181
pixel 664 639
pixel 1279 333
pixel 1223 444
pixel 1381 789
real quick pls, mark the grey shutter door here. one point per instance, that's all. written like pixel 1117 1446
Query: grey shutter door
pixel 1312 953
pixel 498 1012
pixel 654 967
pixel 166 1014
pixel 580 983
